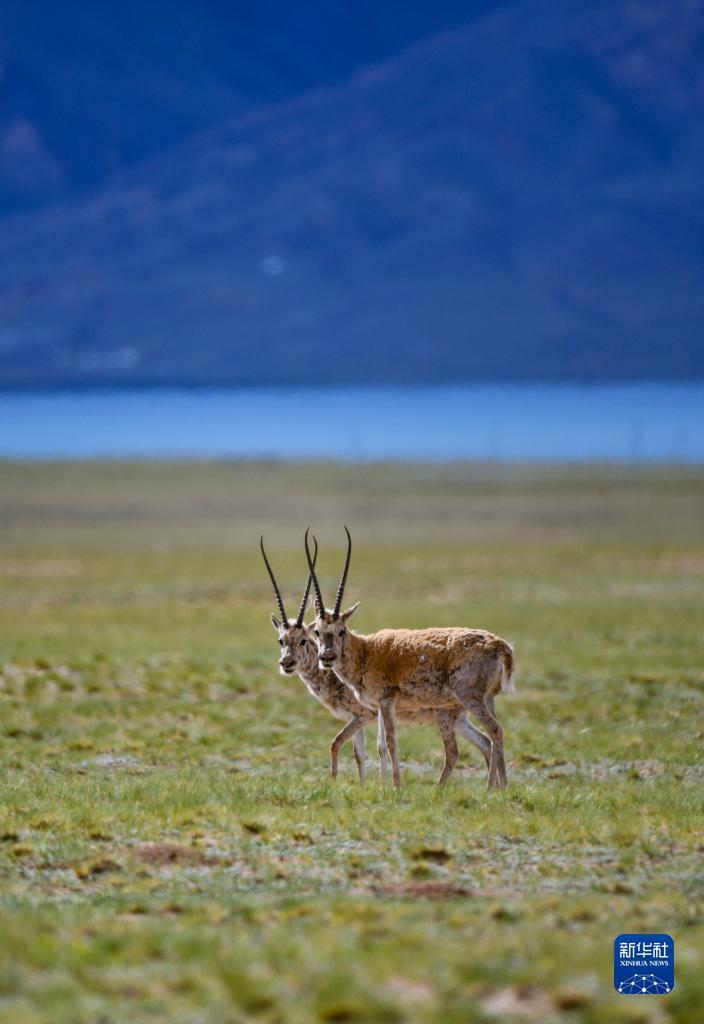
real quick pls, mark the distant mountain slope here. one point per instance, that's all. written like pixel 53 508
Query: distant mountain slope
pixel 87 88
pixel 521 199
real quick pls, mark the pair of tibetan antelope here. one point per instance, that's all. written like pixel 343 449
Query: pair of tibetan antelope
pixel 408 675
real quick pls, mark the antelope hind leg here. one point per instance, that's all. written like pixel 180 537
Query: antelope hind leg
pixel 503 775
pixel 470 688
pixel 446 721
pixel 475 736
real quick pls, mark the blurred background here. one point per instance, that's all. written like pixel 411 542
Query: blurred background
pixel 499 203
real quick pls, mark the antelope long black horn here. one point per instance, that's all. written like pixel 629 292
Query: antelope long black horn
pixel 279 598
pixel 304 602
pixel 343 578
pixel 319 603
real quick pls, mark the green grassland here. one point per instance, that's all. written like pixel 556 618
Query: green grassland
pixel 171 846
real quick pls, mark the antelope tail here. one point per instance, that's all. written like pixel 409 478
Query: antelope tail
pixel 507 667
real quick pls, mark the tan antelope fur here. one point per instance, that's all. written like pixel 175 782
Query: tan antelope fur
pixel 431 668
pixel 299 655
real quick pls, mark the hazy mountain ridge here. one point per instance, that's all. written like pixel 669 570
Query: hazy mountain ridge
pixel 85 91
pixel 518 199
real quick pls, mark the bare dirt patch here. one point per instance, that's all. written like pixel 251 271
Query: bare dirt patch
pixel 528 1002
pixel 114 762
pixel 165 854
pixel 424 890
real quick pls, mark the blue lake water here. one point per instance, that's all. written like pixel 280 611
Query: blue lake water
pixel 640 422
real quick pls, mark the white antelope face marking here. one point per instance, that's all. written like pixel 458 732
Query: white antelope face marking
pixel 330 634
pixel 296 650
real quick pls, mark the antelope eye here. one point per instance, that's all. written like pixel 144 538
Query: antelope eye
pixel 281 642
pixel 317 632
pixel 303 641
pixel 341 633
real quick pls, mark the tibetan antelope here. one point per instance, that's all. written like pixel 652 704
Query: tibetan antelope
pixel 299 655
pixel 431 668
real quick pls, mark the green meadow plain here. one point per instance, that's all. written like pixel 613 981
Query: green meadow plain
pixel 171 846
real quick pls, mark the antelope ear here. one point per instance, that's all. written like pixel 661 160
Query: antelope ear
pixel 275 622
pixel 350 612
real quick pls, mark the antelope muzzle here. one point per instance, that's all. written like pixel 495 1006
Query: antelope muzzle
pixel 327 655
pixel 287 664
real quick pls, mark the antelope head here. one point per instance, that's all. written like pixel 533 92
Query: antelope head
pixel 297 650
pixel 330 627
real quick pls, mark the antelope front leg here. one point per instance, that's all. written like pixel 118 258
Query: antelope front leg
pixel 387 708
pixel 382 749
pixel 359 756
pixel 352 727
